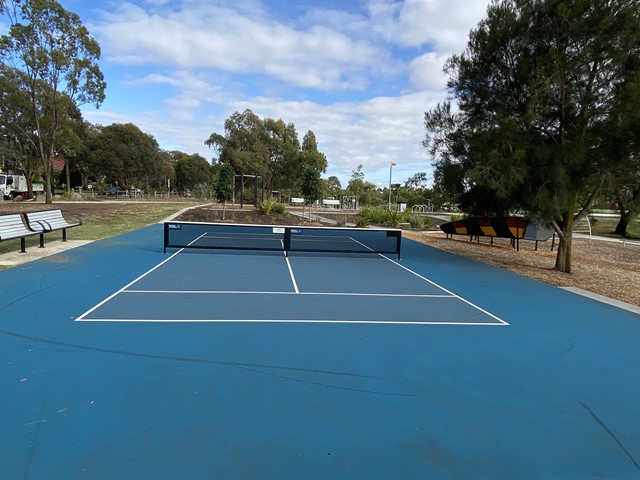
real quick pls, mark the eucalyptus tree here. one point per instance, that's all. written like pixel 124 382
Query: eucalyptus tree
pixel 532 91
pixel 127 155
pixel 59 59
pixel 283 145
pixel 192 170
pixel 243 144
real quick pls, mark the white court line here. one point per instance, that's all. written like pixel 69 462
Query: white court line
pixel 329 294
pixel 81 317
pixel 293 278
pixel 445 290
pixel 277 320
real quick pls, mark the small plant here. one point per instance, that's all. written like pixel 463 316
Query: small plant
pixel 455 217
pixel 341 222
pixel 395 218
pixel 280 209
pixel 269 207
pixel 416 222
pixel 361 222
pixel 266 207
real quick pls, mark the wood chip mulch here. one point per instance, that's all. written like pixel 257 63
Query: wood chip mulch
pixel 602 267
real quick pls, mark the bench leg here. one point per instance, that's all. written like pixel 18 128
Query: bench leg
pixel 42 240
pixel 64 234
pixel 23 245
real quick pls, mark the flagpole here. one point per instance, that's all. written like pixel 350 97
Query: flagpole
pixel 390 170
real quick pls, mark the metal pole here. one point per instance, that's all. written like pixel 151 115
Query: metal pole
pixel 390 170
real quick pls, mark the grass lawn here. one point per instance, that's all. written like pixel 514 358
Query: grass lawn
pixel 100 219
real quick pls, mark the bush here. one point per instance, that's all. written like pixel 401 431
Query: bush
pixel 395 218
pixel 376 215
pixel 416 222
pixel 341 222
pixel 361 222
pixel 269 207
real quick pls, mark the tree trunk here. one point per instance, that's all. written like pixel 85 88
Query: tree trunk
pixel 625 218
pixel 621 227
pixel 563 258
pixel 46 175
pixel 67 175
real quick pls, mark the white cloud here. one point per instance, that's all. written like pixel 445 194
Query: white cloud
pixel 221 38
pixel 443 24
pixel 426 73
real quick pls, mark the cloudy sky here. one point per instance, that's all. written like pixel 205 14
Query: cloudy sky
pixel 359 73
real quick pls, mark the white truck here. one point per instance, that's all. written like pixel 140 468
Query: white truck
pixel 12 186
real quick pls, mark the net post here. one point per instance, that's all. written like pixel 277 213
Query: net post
pixel 398 244
pixel 287 240
pixel 166 238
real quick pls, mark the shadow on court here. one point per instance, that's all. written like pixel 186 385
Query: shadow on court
pixel 119 361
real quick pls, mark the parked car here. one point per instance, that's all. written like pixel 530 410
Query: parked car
pixel 115 191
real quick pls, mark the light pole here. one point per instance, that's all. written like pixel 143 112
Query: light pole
pixel 393 164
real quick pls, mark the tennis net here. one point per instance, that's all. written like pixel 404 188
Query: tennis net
pixel 281 238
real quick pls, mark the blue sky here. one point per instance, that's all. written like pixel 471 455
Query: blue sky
pixel 359 73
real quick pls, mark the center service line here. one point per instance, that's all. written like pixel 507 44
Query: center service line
pixel 293 278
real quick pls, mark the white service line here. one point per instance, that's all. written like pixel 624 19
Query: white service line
pixel 293 278
pixel 445 290
pixel 278 320
pixel 81 317
pixel 256 292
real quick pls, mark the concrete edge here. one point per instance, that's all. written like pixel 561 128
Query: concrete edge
pixel 14 258
pixel 601 298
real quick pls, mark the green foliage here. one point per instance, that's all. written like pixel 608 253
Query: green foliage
pixel 361 221
pixel 538 87
pixel 416 222
pixel 192 170
pixel 202 190
pixel 266 207
pixel 395 218
pixel 272 207
pixel 280 209
pixel 267 147
pixel 375 215
pixel 311 187
pixel 126 154
pixel 59 62
pixel 223 183
pixel 383 216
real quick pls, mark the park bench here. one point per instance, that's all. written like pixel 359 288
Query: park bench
pixel 512 228
pixel 328 202
pixel 12 226
pixel 297 201
pixel 45 221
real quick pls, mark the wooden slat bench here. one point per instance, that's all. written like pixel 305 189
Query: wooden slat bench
pixel 12 226
pixel 45 221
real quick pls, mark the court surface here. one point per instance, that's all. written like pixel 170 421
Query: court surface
pixel 119 361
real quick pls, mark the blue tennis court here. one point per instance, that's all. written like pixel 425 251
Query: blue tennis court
pixel 120 360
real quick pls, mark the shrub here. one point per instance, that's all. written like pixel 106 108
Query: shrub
pixel 416 222
pixel 361 222
pixel 268 207
pixel 280 209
